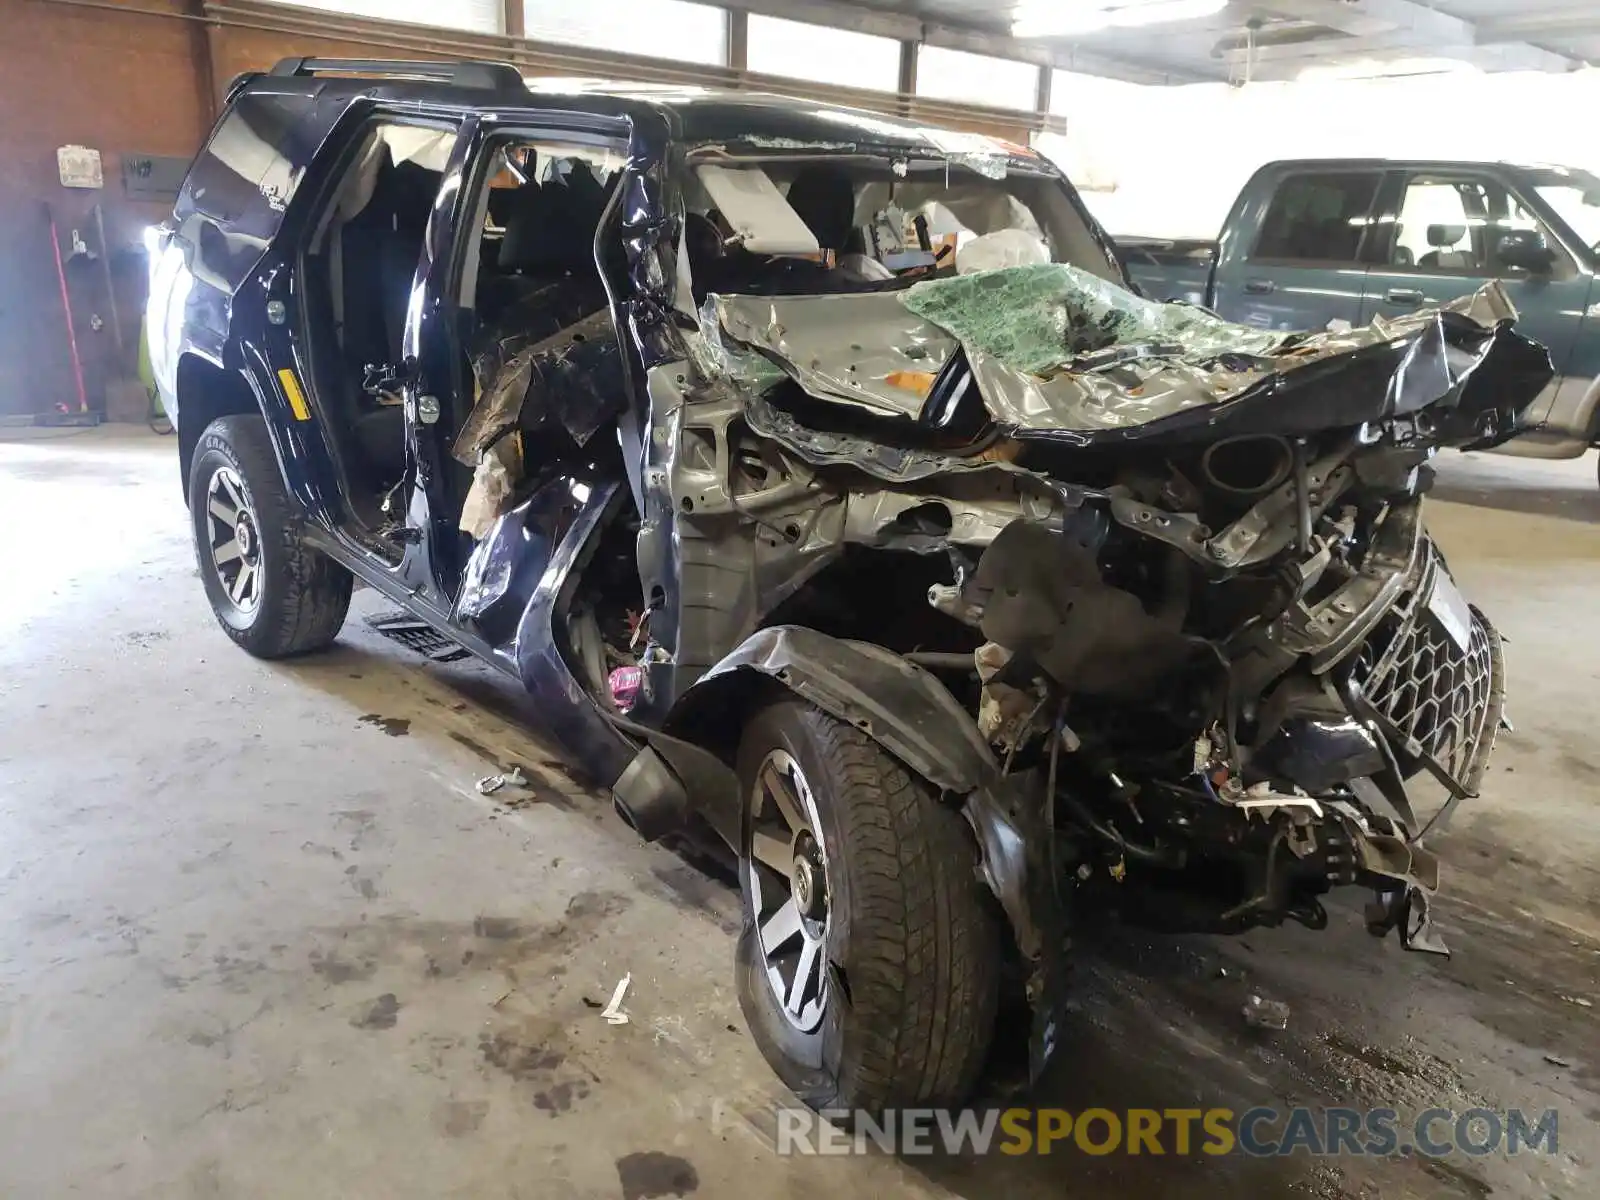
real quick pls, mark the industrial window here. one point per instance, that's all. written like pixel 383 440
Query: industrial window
pixel 976 78
pixel 674 29
pixel 821 54
pixel 475 16
pixel 1319 218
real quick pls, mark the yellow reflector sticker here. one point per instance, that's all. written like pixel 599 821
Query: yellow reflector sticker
pixel 297 398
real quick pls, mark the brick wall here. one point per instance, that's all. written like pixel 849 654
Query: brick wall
pixel 121 82
pixel 140 81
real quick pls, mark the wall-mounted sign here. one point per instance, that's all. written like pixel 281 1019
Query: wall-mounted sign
pixel 80 167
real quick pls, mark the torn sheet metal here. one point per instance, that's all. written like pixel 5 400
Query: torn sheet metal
pixel 974 151
pixel 893 464
pixel 574 376
pixel 1060 354
pixel 872 352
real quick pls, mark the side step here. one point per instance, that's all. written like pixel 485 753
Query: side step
pixel 414 635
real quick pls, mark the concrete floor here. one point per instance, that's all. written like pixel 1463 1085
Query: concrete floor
pixel 262 937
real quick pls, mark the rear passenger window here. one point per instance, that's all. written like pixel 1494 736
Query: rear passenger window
pixel 1318 217
pixel 254 159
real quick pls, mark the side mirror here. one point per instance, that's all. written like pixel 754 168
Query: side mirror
pixel 1526 250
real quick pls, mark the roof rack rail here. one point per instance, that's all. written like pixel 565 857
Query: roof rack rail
pixel 492 76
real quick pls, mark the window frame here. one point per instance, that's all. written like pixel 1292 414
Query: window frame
pixel 1363 245
pixel 1563 266
pixel 557 126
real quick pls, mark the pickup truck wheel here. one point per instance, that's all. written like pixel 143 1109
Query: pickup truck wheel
pixel 271 593
pixel 868 965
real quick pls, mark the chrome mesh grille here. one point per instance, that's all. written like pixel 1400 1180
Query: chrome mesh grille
pixel 1439 705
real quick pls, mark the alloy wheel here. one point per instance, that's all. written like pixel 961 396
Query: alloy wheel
pixel 787 874
pixel 234 537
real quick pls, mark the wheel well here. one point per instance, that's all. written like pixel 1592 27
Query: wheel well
pixel 206 392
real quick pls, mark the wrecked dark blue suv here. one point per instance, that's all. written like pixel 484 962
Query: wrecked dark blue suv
pixel 820 480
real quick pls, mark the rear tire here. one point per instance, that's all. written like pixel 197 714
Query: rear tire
pixel 271 593
pixel 902 1011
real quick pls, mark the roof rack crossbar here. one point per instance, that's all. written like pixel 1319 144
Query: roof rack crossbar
pixel 491 76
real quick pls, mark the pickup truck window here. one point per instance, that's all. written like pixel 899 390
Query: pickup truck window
pixel 1453 224
pixel 1442 225
pixel 1318 217
pixel 1575 195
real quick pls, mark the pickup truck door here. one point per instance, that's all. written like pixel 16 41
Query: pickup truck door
pixel 1439 239
pixel 1292 255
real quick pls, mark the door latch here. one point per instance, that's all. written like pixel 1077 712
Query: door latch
pixel 390 378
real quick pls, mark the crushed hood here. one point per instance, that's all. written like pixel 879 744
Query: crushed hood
pixel 1060 354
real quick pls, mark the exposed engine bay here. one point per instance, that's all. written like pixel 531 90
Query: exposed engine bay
pixel 1184 589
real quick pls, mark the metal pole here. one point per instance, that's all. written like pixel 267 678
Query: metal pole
pixel 66 307
pixel 111 289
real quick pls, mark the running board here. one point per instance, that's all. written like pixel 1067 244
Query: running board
pixel 419 636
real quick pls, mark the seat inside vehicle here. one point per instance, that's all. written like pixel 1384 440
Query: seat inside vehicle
pixel 363 261
pixel 1445 255
pixel 537 266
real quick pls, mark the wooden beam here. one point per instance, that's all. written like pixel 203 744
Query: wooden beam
pixel 738 47
pixel 909 54
pixel 515 19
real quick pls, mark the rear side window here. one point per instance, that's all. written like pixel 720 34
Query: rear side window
pixel 1318 218
pixel 232 204
pixel 255 159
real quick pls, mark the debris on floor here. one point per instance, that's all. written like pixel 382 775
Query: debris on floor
pixel 613 1011
pixel 490 784
pixel 1266 1014
pixel 1555 1060
pixel 1579 1001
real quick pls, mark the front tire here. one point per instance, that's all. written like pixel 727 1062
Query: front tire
pixel 868 968
pixel 271 593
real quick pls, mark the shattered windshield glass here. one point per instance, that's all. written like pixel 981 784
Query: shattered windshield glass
pixel 820 223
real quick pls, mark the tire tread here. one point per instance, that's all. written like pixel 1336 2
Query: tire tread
pixel 924 944
pixel 305 607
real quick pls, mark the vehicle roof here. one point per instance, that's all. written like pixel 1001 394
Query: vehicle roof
pixel 694 114
pixel 1409 164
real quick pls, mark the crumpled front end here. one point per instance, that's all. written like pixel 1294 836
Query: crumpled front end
pixel 1173 571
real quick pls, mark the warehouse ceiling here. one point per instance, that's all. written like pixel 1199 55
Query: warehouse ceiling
pixel 1254 39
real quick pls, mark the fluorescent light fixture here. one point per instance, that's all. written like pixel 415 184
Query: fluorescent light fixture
pixel 1384 68
pixel 1063 18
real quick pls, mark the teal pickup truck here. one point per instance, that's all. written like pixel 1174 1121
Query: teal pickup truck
pixel 1308 243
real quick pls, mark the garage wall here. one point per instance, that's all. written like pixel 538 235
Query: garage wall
pixel 122 82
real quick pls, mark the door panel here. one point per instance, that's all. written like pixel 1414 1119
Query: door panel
pixel 1306 268
pixel 1283 296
